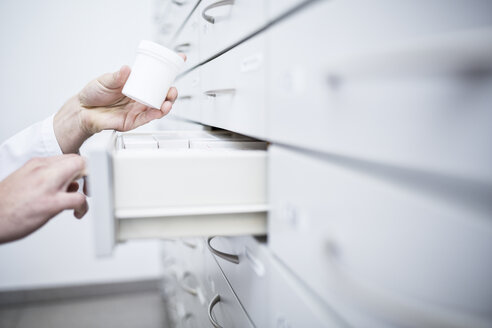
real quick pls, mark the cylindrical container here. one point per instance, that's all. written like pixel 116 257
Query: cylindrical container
pixel 152 74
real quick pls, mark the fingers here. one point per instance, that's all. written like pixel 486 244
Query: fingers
pixel 166 108
pixel 67 169
pixel 115 80
pixel 150 115
pixel 172 94
pixel 80 211
pixel 71 200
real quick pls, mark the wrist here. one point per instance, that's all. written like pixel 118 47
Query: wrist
pixel 70 128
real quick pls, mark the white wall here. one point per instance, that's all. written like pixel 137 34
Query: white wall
pixel 50 50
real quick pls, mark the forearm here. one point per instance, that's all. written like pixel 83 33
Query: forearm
pixel 69 128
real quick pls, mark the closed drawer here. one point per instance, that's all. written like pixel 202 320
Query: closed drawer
pixel 188 104
pixel 187 41
pixel 192 281
pixel 248 272
pixel 233 87
pixel 162 186
pixel 399 245
pixel 268 295
pixel 225 22
pixel 169 15
pixel 223 306
pixel 381 87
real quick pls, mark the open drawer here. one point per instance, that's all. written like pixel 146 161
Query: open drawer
pixel 176 184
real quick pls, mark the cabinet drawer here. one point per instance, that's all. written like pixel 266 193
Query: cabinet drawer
pixel 223 306
pixel 188 104
pixel 233 87
pixel 169 15
pixel 225 22
pixel 163 187
pixel 188 41
pixel 262 286
pixel 398 245
pixel 380 87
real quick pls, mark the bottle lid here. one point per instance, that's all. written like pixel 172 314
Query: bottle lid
pixel 161 51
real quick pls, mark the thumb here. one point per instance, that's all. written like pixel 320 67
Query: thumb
pixel 115 80
pixel 106 89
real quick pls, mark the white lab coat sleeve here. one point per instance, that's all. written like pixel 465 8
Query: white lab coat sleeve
pixel 38 140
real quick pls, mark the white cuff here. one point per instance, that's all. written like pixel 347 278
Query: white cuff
pixel 50 144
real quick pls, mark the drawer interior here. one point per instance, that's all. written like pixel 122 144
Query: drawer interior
pixel 179 184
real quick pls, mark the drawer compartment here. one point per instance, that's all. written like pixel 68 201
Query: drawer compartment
pixel 397 245
pixel 164 192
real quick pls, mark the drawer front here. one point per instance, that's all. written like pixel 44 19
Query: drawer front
pixel 225 22
pixel 227 311
pixel 387 94
pixel 188 104
pixel 188 41
pixel 249 276
pixel 233 87
pixel 400 246
pixel 167 184
pixel 262 286
pixel 169 15
pixel 192 280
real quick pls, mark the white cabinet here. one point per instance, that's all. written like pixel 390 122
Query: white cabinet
pixel 158 190
pixel 387 81
pixel 392 245
pixel 369 178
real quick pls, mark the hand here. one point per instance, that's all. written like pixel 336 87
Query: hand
pixel 102 106
pixel 38 191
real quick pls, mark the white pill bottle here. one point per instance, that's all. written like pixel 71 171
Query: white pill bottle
pixel 153 73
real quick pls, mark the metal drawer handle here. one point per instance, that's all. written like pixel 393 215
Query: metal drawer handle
pixel 211 305
pixel 182 47
pixel 218 92
pixel 185 97
pixel 178 2
pixel 185 287
pixel 228 257
pixel 187 242
pixel 211 19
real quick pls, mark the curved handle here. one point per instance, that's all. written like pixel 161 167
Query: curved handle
pixel 215 300
pixel 185 97
pixel 228 257
pixel 178 2
pixel 182 47
pixel 184 241
pixel 218 92
pixel 185 287
pixel 209 18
